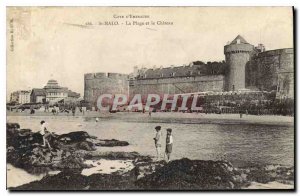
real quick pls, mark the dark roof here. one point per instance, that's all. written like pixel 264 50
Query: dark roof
pixel 38 92
pixel 211 68
pixel 179 71
pixel 242 40
pixel 73 94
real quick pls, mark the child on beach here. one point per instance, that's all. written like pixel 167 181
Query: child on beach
pixel 45 133
pixel 169 144
pixel 157 141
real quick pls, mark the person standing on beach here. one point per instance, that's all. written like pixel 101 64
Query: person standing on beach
pixel 73 110
pixel 45 133
pixel 157 141
pixel 169 144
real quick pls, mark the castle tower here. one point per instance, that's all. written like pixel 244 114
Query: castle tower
pixel 237 54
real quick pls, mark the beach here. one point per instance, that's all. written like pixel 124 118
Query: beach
pixel 174 117
pixel 247 142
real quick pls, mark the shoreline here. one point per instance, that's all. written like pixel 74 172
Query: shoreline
pixel 173 117
pixel 106 173
pixel 76 163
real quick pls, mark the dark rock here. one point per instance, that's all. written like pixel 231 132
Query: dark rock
pixel 116 156
pixel 86 145
pixel 72 137
pixel 70 180
pixel 67 150
pixel 71 162
pixel 12 126
pixel 265 174
pixel 113 142
pixel 185 174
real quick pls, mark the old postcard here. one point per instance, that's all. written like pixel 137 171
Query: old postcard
pixel 150 98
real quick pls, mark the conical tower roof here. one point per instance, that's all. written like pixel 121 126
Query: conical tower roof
pixel 241 40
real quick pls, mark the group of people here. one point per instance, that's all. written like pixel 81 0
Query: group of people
pixel 158 143
pixel 157 140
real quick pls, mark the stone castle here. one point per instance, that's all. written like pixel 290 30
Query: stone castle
pixel 96 84
pixel 246 68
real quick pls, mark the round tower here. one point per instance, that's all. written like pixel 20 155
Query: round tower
pixel 237 54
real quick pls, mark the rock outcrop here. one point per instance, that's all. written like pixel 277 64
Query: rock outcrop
pixel 24 148
pixel 185 174
pixel 70 151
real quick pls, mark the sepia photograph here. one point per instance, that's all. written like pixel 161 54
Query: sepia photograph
pixel 150 98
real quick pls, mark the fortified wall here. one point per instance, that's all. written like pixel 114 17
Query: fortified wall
pixel 177 85
pixel 195 77
pixel 96 84
pixel 245 67
pixel 272 70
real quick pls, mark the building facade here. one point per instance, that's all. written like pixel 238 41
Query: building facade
pixel 237 54
pixel 20 97
pixel 272 70
pixel 246 68
pixel 96 84
pixel 52 93
pixel 178 80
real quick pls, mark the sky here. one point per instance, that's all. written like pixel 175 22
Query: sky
pixel 56 42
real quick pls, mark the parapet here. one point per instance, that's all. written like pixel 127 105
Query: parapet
pixel 276 52
pixel 117 75
pixel 90 76
pixel 100 75
pixel 238 48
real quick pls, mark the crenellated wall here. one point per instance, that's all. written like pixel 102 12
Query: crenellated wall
pixel 245 67
pixel 96 84
pixel 177 85
pixel 272 70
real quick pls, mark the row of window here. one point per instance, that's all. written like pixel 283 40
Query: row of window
pixel 239 51
pixel 55 94
pixel 172 74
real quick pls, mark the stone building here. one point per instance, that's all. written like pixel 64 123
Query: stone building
pixel 20 97
pixel 52 93
pixel 38 96
pixel 237 54
pixel 194 77
pixel 246 68
pixel 96 84
pixel 272 70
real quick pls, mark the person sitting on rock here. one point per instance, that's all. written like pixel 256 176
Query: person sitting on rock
pixel 169 144
pixel 45 133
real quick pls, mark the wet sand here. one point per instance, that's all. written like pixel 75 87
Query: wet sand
pixel 176 117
